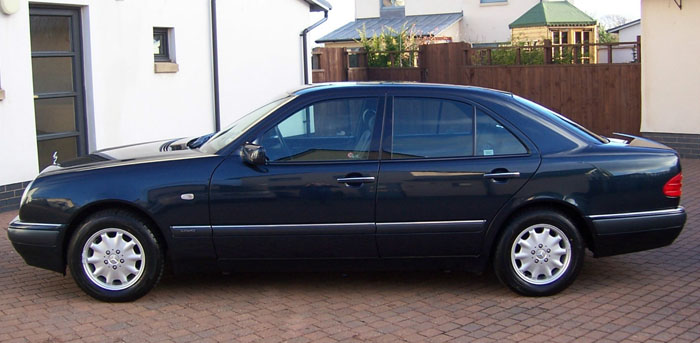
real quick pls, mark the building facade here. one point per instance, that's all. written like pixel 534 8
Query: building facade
pixel 670 74
pixel 473 21
pixel 81 75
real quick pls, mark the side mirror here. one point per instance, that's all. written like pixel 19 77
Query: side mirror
pixel 253 154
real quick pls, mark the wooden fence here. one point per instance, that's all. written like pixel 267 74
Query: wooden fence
pixel 605 98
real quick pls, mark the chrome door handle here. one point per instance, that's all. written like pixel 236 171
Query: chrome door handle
pixel 505 175
pixel 358 179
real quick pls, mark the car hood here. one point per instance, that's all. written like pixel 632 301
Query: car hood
pixel 130 154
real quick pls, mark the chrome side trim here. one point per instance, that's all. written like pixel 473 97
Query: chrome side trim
pixel 678 210
pixel 431 227
pixel 17 224
pixel 340 228
pixel 294 229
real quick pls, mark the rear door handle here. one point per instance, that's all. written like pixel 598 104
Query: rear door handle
pixel 357 179
pixel 504 175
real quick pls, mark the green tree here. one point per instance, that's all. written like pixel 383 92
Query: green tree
pixel 391 48
pixel 604 36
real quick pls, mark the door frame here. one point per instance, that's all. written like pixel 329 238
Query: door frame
pixel 76 36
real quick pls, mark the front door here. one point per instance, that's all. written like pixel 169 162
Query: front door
pixel 314 198
pixel 58 83
pixel 449 167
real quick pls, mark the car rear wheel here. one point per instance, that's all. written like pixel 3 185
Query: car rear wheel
pixel 540 253
pixel 113 256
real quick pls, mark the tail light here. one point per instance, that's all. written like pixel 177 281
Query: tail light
pixel 672 188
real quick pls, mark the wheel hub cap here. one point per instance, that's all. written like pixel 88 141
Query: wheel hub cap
pixel 113 259
pixel 540 254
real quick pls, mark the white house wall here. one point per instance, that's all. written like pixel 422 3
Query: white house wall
pixel 259 52
pixel 126 101
pixel 488 23
pixel 130 102
pixel 366 8
pixel 433 7
pixel 670 74
pixel 17 128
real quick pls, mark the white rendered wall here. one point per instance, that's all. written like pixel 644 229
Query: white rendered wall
pixel 488 23
pixel 628 34
pixel 418 7
pixel 259 52
pixel 129 102
pixel 17 129
pixel 366 8
pixel 126 101
pixel 670 74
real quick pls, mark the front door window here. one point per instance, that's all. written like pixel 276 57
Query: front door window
pixel 332 130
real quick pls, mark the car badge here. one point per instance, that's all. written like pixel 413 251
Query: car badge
pixel 55 158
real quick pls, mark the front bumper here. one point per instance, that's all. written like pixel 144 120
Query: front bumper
pixel 622 233
pixel 38 244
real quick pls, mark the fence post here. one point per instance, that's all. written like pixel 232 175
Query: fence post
pixel 422 63
pixel 517 56
pixel 488 56
pixel 610 54
pixel 468 54
pixel 577 52
pixel 318 75
pixel 547 51
pixel 639 49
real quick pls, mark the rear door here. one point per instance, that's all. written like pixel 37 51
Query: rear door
pixel 447 167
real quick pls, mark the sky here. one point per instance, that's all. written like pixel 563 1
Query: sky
pixel 630 9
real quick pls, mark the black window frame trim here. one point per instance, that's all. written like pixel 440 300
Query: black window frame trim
pixel 387 130
pixel 296 105
pixel 165 44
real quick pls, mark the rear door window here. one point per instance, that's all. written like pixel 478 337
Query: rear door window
pixel 493 139
pixel 437 128
pixel 426 128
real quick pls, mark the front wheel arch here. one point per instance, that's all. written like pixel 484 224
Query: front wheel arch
pixel 133 257
pixel 88 210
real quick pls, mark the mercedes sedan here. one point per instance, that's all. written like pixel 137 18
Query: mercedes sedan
pixel 370 175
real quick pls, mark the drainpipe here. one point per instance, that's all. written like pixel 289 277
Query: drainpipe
pixel 215 66
pixel 304 39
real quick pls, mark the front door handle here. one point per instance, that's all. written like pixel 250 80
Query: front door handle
pixel 357 179
pixel 503 175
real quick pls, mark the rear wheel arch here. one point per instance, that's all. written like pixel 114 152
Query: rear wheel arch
pixel 91 209
pixel 570 211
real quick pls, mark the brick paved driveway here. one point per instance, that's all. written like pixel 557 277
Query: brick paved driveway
pixel 642 297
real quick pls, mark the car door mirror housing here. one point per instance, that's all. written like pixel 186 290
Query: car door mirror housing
pixel 253 154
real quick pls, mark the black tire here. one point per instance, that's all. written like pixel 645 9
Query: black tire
pixel 516 264
pixel 140 264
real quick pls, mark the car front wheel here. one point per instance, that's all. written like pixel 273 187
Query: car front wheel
pixel 113 256
pixel 540 253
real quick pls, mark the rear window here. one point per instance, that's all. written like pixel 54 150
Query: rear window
pixel 558 118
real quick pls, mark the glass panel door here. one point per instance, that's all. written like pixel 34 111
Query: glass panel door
pixel 58 83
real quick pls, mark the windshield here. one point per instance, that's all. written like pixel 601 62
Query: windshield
pixel 561 119
pixel 233 131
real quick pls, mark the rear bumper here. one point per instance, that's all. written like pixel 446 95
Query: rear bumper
pixel 38 244
pixel 622 233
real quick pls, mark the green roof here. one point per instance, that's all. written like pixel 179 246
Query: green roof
pixel 553 13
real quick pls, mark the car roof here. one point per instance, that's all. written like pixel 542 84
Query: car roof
pixel 320 87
